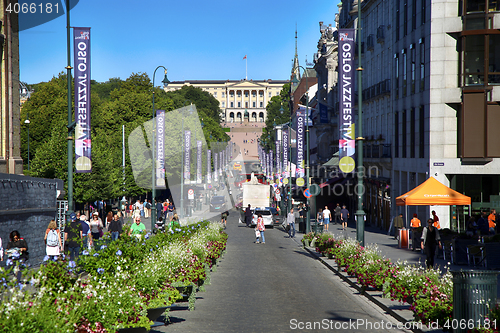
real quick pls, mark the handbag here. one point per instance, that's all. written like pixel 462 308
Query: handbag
pixel 257 233
pixel 287 229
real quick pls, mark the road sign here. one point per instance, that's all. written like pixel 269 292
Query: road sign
pixel 307 194
pixel 191 194
pixel 277 191
pixel 209 186
pixel 300 181
pixel 285 181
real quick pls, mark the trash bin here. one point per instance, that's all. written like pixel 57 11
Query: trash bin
pixel 404 239
pixel 302 225
pixel 474 293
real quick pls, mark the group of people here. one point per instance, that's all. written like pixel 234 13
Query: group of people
pixel 341 215
pixel 484 226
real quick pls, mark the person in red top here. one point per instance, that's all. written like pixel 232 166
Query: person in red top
pixel 435 218
pixel 492 221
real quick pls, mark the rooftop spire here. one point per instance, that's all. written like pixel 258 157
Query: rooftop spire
pixel 295 68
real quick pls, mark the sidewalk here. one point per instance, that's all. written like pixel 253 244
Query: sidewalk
pixel 388 247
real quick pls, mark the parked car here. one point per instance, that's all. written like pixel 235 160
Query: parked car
pixel 267 215
pixel 276 214
pixel 218 204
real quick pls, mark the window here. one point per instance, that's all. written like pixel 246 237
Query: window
pixel 403 134
pixel 231 94
pixel 422 12
pixel 494 60
pixel 412 133
pixel 396 134
pixel 405 18
pixel 253 104
pixel 254 93
pixel 270 94
pixel 421 129
pixel 261 93
pixel 422 64
pixel 397 20
pixel 239 104
pixel 403 52
pixel 261 104
pixel 239 93
pixel 246 93
pixel 413 67
pixel 246 104
pixel 414 14
pixel 474 51
pixel 396 74
pixel 223 94
pixel 215 94
pixel 223 104
pixel 232 104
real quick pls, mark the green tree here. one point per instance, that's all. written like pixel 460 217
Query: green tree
pixel 275 116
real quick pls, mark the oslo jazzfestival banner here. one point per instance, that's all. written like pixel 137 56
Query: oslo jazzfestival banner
pixel 81 41
pixel 198 162
pixel 187 156
pixel 285 152
pixel 209 166
pixel 160 149
pixel 301 115
pixel 346 92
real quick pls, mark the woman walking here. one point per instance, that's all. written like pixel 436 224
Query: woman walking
pixel 430 238
pixel 95 226
pixel 320 217
pixel 53 240
pixel 261 227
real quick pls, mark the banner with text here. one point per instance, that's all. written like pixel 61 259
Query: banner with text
pixel 83 158
pixel 187 156
pixel 301 117
pixel 160 149
pixel 346 92
pixel 209 166
pixel 285 152
pixel 199 144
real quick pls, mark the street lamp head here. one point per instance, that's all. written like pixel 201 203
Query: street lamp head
pixel 294 79
pixel 165 80
pixel 281 109
pixel 27 121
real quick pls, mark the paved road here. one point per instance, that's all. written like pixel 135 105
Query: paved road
pixel 274 287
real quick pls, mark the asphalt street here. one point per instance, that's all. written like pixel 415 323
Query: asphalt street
pixel 275 287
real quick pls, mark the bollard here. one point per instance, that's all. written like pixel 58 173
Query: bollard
pixel 474 294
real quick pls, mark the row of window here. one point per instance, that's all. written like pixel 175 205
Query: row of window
pixel 254 94
pixel 254 105
pixel 408 84
pixel 401 146
pixel 417 6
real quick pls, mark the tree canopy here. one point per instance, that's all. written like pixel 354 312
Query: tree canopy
pixel 114 103
pixel 278 113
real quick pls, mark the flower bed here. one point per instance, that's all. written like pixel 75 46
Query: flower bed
pixel 428 292
pixel 120 281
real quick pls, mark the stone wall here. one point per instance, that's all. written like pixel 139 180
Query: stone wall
pixel 27 205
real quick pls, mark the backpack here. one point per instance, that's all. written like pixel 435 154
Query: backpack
pixel 52 238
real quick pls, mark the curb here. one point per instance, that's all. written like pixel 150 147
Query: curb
pixel 363 292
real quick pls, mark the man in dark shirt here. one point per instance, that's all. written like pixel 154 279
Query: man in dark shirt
pixel 85 230
pixel 72 237
pixel 248 216
pixel 482 224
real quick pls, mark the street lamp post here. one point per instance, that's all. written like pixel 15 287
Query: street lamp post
pixel 71 123
pixel 153 164
pixel 183 138
pixel 26 93
pixel 360 214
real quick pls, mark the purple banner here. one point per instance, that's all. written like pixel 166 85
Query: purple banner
pixel 220 163
pixel 301 115
pixel 271 164
pixel 285 152
pixel 187 156
pixel 346 97
pixel 83 146
pixel 160 149
pixel 198 162
pixel 209 166
pixel 216 172
pixel 278 157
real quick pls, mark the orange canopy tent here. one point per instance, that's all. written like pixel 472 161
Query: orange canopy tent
pixel 432 192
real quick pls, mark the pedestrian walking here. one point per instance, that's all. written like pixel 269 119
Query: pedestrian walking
pixel 137 228
pixel 398 224
pixel 248 215
pixel 73 237
pixel 338 214
pixel 224 218
pixel 109 218
pixel 430 238
pixel 147 208
pixel 327 217
pixel 1 249
pixel 53 243
pixel 95 225
pixel 414 224
pixel 170 210
pixel 141 208
pixel 290 221
pixel 492 221
pixel 86 235
pixel 261 228
pixel 115 227
pixel 344 217
pixel 319 217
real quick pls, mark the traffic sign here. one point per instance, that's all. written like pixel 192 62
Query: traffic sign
pixel 300 181
pixel 307 194
pixel 277 191
pixel 191 194
pixel 285 181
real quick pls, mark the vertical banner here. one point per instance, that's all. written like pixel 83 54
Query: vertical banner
pixel 220 163
pixel 160 149
pixel 187 156
pixel 346 98
pixel 216 172
pixel 198 162
pixel 209 166
pixel 285 152
pixel 264 163
pixel 301 116
pixel 81 42
pixel 278 157
pixel 271 163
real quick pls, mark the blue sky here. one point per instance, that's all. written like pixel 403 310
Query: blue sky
pixel 195 40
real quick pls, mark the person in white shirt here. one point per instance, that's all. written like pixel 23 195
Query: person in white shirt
pixel 290 220
pixel 327 216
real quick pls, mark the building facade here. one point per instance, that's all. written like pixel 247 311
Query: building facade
pixel 10 112
pixel 431 94
pixel 237 97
